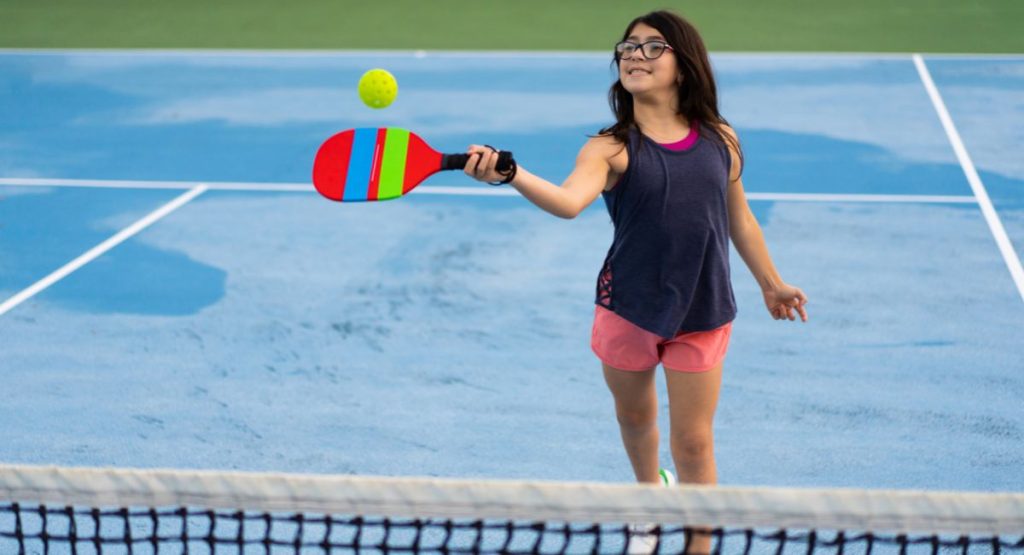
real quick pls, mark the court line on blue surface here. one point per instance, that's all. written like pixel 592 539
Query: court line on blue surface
pixel 101 248
pixel 447 190
pixel 987 208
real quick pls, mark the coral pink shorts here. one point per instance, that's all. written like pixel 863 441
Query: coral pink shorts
pixel 621 344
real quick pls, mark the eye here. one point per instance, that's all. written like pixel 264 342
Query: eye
pixel 655 49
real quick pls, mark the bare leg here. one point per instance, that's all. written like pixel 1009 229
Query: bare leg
pixel 636 407
pixel 693 399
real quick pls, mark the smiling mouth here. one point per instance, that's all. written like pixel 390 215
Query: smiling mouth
pixel 637 70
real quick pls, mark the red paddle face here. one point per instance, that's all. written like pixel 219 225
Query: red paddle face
pixel 373 164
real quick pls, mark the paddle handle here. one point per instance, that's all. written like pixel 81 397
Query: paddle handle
pixel 458 161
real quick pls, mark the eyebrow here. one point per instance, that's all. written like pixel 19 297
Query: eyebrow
pixel 652 37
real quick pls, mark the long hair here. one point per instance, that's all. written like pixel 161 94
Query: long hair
pixel 698 95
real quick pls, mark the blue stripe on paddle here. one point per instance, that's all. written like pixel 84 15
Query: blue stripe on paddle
pixel 360 163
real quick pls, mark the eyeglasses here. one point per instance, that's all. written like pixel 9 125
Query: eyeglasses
pixel 651 49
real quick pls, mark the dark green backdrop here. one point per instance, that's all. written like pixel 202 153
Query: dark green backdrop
pixel 744 25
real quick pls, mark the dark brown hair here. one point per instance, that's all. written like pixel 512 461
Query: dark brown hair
pixel 698 95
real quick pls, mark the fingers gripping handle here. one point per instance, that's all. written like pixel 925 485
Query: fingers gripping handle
pixel 458 161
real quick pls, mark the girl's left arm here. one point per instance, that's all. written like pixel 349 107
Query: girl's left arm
pixel 780 298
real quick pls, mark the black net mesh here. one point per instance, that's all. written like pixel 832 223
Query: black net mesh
pixel 40 529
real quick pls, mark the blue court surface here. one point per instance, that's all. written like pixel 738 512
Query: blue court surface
pixel 239 321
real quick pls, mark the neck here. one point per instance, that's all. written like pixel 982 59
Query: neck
pixel 658 119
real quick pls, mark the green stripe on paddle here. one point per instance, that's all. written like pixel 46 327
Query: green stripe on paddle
pixel 392 171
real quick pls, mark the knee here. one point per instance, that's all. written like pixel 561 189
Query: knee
pixel 636 419
pixel 693 444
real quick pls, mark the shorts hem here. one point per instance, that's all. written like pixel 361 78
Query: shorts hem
pixel 692 370
pixel 625 368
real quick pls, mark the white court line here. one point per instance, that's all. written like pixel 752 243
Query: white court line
pixel 99 249
pixel 989 211
pixel 825 197
pixel 467 191
pixel 143 184
pixel 443 190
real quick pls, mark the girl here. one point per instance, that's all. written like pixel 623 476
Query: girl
pixel 669 170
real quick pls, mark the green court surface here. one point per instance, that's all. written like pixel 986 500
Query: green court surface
pixel 984 26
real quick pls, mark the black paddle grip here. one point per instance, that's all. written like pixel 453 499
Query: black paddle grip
pixel 458 161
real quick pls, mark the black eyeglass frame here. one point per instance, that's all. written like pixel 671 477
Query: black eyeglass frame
pixel 642 47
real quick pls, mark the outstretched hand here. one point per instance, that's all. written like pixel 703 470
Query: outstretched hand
pixel 784 300
pixel 481 164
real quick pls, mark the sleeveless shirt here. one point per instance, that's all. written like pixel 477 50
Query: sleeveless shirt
pixel 667 270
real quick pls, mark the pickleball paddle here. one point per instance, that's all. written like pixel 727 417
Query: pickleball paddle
pixel 381 163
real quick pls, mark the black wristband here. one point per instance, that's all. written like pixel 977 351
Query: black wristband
pixel 508 174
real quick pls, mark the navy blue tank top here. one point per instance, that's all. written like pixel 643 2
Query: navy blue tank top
pixel 667 270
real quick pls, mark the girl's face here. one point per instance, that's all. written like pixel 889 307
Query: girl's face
pixel 638 72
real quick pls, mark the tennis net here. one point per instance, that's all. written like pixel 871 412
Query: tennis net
pixel 94 510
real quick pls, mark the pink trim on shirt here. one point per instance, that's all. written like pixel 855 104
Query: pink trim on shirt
pixel 685 144
pixel 687 141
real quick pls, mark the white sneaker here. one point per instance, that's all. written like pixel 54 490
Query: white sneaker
pixel 642 539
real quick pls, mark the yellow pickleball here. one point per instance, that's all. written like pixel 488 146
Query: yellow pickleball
pixel 378 88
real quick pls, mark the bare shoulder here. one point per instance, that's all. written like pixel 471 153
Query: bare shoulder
pixel 605 146
pixel 608 149
pixel 732 142
pixel 727 130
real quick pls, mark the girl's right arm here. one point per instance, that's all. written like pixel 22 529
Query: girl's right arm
pixel 590 176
